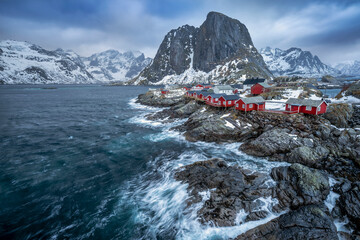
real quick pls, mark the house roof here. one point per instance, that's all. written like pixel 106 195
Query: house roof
pixel 191 92
pixel 304 102
pixel 224 87
pixel 252 81
pixel 237 86
pixel 207 94
pixel 230 97
pixel 264 84
pixel 215 95
pixel 248 100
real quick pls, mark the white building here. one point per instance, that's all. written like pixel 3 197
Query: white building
pixel 223 89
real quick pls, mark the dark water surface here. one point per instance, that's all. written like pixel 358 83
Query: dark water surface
pixel 81 162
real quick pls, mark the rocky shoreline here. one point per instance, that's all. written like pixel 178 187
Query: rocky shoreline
pixel 317 147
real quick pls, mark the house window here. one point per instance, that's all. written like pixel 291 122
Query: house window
pixel 237 105
pixel 250 105
pixel 243 106
pixel 308 108
pixel 319 108
pixel 229 102
pixel 216 99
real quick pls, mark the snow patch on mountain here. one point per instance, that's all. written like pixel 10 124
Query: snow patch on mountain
pixel 295 62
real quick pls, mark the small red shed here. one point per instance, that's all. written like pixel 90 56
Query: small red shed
pixel 260 88
pixel 308 106
pixel 163 91
pixel 213 99
pixel 251 103
pixel 228 100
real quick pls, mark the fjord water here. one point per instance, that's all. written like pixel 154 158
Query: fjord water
pixel 81 162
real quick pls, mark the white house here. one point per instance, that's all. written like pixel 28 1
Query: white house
pixel 223 89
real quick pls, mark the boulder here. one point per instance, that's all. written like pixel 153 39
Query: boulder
pixel 307 156
pixel 349 203
pixel 299 185
pixel 307 222
pixel 275 141
pixel 339 114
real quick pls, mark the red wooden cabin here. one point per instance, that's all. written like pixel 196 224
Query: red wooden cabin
pixel 228 100
pixel 308 106
pixel 250 104
pixel 260 88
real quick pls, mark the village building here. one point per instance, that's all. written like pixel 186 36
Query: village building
pixel 223 89
pixel 260 88
pixel 213 99
pixel 237 88
pixel 248 83
pixel 307 106
pixel 187 88
pixel 228 100
pixel 250 104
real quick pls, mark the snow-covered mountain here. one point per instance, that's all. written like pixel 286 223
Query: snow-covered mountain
pixel 295 62
pixel 349 68
pixel 22 62
pixel 220 50
pixel 112 65
pixel 26 63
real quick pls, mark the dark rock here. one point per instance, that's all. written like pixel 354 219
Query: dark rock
pixel 232 189
pixel 272 142
pixel 349 203
pixel 307 156
pixel 299 185
pixel 339 114
pixel 154 98
pixel 307 222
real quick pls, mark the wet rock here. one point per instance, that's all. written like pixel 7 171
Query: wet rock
pixel 307 156
pixel 339 114
pixel 349 203
pixel 231 190
pixel 299 185
pixel 187 109
pixel 156 99
pixel 272 142
pixel 307 222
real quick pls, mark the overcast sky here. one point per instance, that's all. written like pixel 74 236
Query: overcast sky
pixel 329 29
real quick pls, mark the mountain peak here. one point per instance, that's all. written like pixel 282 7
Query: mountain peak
pixel 219 41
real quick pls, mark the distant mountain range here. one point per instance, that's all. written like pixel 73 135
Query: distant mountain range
pixel 295 62
pixel 220 50
pixel 349 68
pixel 25 63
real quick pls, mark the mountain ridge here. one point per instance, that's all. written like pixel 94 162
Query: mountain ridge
pixel 295 62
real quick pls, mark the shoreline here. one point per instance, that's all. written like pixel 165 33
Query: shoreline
pixel 253 137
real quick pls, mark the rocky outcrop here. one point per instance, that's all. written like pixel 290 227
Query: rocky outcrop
pixel 307 222
pixel 299 185
pixel 154 98
pixel 339 114
pixel 232 190
pixel 219 41
pixel 349 203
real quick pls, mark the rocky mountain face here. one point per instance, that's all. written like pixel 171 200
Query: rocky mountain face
pixel 25 63
pixel 351 68
pixel 219 50
pixel 295 62
pixel 112 65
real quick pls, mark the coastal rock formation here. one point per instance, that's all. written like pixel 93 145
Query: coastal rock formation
pixel 220 49
pixel 339 114
pixel 233 189
pixel 307 222
pixel 154 98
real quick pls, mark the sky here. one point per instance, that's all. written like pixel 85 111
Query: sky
pixel 329 29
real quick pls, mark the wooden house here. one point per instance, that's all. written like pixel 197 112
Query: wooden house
pixel 248 83
pixel 250 104
pixel 260 88
pixel 228 100
pixel 307 106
